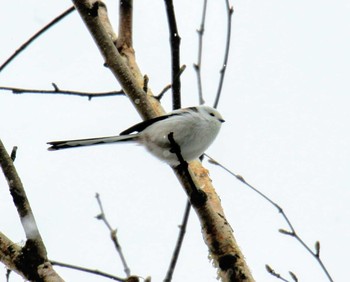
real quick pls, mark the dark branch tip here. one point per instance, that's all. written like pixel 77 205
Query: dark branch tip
pixel 317 248
pixel 14 153
pixel 286 232
pixel 294 277
pixel 55 87
pixel 269 269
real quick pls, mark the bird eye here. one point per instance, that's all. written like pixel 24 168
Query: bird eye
pixel 212 114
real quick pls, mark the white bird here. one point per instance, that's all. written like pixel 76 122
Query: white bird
pixel 193 129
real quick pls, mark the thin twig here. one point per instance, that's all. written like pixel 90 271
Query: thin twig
pixel 197 196
pixel 274 273
pixel 292 231
pixel 177 76
pixel 35 36
pixel 58 91
pixel 179 242
pixel 227 50
pixel 161 94
pixel 166 88
pixel 14 153
pixel 113 232
pixel 8 272
pixel 124 40
pixel 93 271
pixel 198 65
pixel 175 40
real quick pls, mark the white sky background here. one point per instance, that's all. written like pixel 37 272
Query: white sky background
pixel 286 106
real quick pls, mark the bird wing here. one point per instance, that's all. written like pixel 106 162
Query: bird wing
pixel 146 123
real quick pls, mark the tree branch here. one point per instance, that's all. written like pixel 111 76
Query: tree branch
pixel 292 231
pixel 9 253
pixel 88 270
pixel 179 242
pixel 94 14
pixel 124 40
pixel 58 91
pixel 274 273
pixel 32 260
pixel 21 202
pixel 229 10
pixel 198 65
pixel 175 40
pixel 35 36
pixel 113 233
pixel 217 232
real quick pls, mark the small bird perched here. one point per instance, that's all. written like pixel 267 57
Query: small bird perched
pixel 193 130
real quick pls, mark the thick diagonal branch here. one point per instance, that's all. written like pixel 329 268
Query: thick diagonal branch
pixel 217 232
pixel 94 14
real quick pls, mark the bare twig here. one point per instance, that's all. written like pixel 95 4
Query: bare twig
pixel 161 94
pixel 113 233
pixel 35 36
pixel 58 91
pixel 124 40
pixel 198 65
pixel 294 277
pixel 14 153
pixel 197 196
pixel 315 254
pixel 270 270
pixel 84 269
pixel 292 232
pixel 8 272
pixel 177 76
pixel 179 242
pixel 227 49
pixel 166 88
pixel 175 40
pixel 32 260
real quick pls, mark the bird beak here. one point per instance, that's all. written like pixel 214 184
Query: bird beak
pixel 221 120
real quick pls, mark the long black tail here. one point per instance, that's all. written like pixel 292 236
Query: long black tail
pixel 58 145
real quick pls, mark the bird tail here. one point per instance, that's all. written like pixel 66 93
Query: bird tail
pixel 58 145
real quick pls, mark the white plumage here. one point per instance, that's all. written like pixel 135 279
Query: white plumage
pixel 194 129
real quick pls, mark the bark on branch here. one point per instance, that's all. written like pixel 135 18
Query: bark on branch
pixel 217 233
pixel 30 261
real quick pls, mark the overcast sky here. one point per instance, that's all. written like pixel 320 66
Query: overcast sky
pixel 286 105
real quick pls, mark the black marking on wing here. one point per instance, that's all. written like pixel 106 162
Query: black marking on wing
pixel 146 123
pixel 194 109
